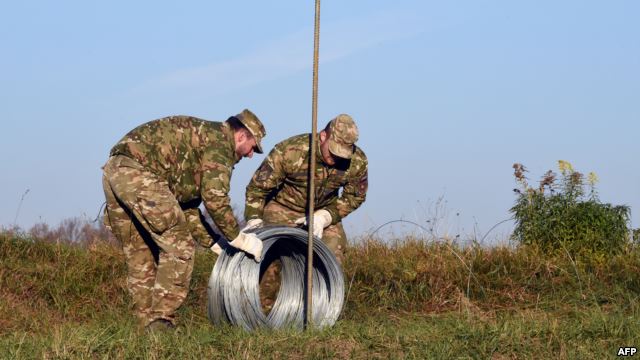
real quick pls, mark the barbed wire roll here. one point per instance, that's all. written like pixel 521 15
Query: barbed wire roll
pixel 234 286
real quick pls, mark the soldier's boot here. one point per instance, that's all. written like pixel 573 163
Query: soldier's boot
pixel 160 325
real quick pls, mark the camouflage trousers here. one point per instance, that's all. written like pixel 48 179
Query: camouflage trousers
pixel 145 216
pixel 333 236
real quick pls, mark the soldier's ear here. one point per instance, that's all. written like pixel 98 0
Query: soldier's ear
pixel 241 136
pixel 247 135
pixel 323 136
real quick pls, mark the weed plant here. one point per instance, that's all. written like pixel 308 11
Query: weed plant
pixel 559 215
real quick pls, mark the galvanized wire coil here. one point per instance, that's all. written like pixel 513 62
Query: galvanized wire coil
pixel 234 291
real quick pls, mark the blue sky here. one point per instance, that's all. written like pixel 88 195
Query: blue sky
pixel 447 95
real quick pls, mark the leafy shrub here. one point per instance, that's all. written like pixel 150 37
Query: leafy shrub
pixel 561 215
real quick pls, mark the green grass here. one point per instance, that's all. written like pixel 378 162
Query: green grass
pixel 406 300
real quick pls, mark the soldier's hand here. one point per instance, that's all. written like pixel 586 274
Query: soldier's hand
pixel 216 249
pixel 249 243
pixel 321 219
pixel 252 224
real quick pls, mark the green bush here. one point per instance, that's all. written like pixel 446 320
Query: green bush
pixel 560 215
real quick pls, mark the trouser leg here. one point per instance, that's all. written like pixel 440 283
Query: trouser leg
pixel 335 238
pixel 141 267
pixel 150 201
pixel 173 276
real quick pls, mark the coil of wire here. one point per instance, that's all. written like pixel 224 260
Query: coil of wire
pixel 234 291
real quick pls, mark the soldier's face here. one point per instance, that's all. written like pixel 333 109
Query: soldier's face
pixel 245 145
pixel 328 158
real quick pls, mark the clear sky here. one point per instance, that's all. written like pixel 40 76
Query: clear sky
pixel 447 94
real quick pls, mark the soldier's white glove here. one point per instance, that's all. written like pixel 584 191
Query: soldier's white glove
pixel 249 243
pixel 252 224
pixel 321 219
pixel 216 249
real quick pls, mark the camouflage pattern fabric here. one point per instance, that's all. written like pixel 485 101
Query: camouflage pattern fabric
pixel 194 156
pixel 283 176
pixel 282 179
pixel 342 136
pixel 333 236
pixel 157 176
pixel 255 127
pixel 144 215
pixel 199 228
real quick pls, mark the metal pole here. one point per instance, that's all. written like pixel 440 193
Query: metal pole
pixel 312 168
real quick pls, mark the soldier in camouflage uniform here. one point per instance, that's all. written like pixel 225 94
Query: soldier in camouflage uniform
pixel 277 193
pixel 154 181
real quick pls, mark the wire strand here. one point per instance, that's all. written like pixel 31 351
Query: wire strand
pixel 234 292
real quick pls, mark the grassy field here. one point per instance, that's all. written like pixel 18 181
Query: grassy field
pixel 411 299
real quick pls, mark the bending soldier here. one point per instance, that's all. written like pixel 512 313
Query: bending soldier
pixel 277 193
pixel 155 179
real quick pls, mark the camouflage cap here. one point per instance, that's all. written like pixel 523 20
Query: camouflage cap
pixel 343 136
pixel 254 125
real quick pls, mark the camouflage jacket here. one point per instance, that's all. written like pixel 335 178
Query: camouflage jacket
pixel 283 175
pixel 195 156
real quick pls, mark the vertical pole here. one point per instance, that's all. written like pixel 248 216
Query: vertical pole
pixel 312 168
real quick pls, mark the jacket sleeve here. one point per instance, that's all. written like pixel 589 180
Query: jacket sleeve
pixel 215 186
pixel 199 229
pixel 354 192
pixel 267 178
